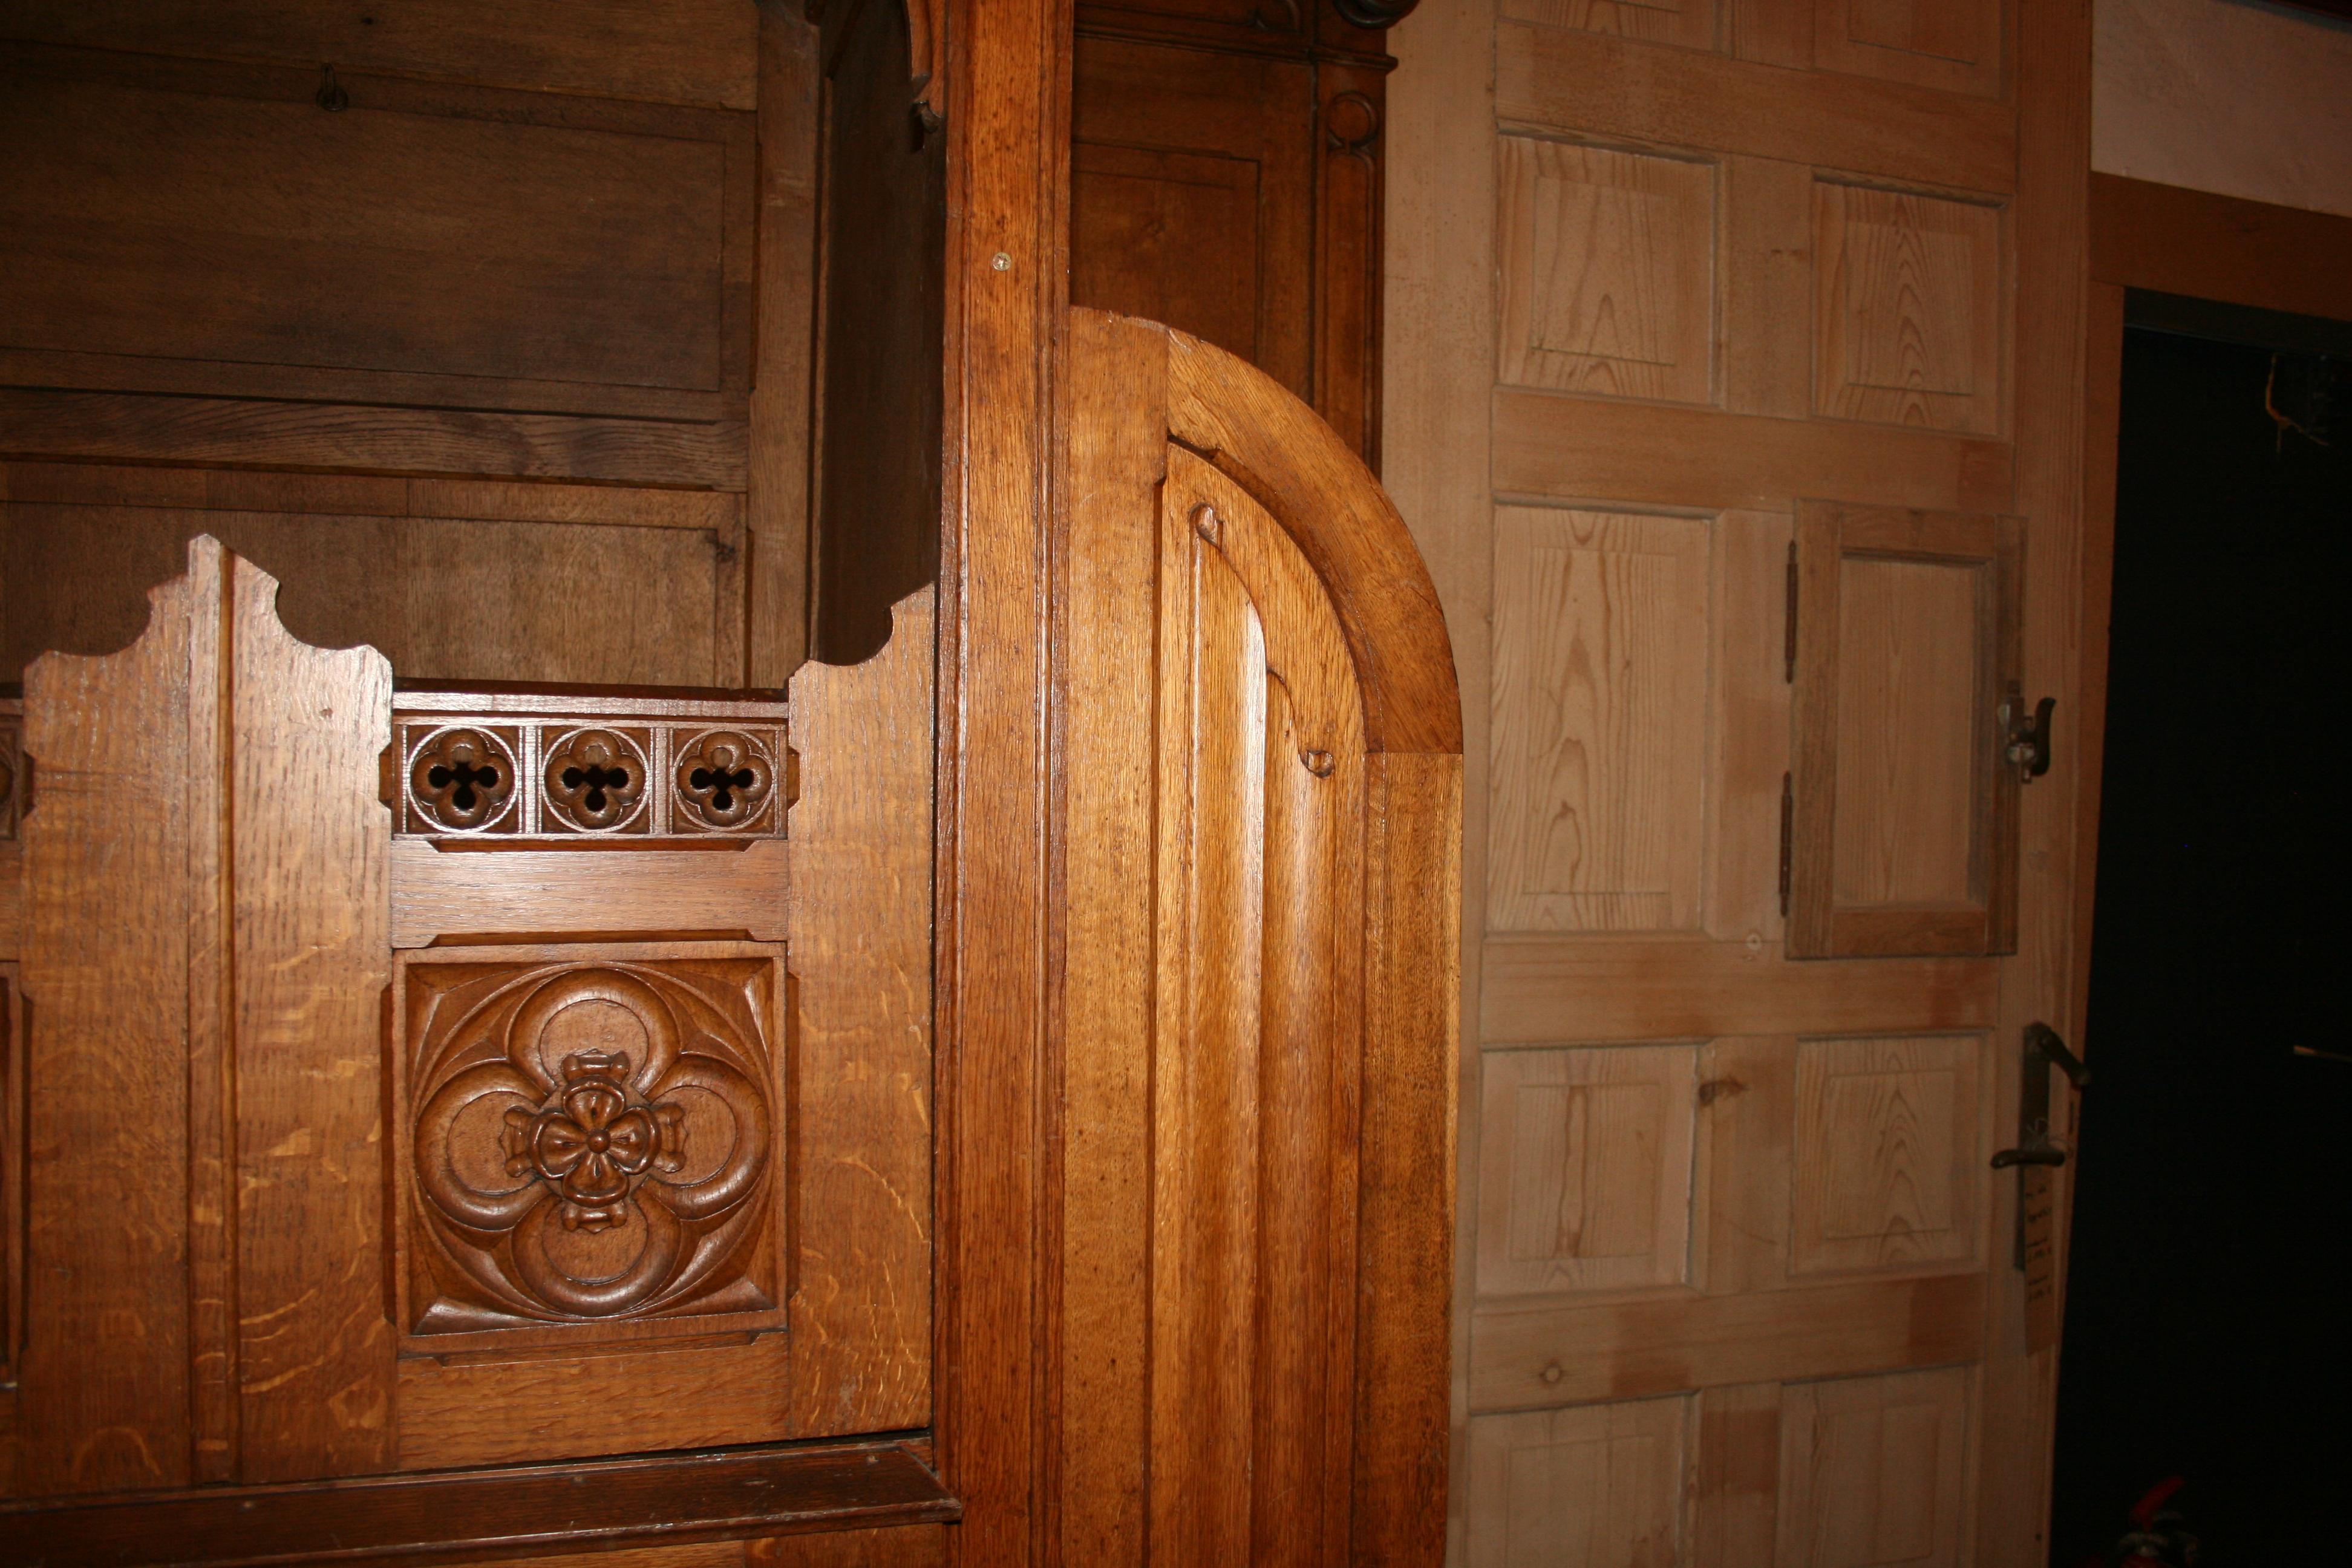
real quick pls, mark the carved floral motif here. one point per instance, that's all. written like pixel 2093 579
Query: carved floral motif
pixel 725 779
pixel 592 1141
pixel 595 780
pixel 462 780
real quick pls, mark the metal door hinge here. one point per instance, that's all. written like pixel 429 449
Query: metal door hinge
pixel 1788 836
pixel 1788 622
pixel 2041 1050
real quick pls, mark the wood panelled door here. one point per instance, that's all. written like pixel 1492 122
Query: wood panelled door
pixel 1729 357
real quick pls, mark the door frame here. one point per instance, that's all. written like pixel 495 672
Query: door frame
pixel 2165 239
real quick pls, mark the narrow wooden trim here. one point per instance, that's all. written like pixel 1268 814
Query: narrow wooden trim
pixel 2179 241
pixel 1275 447
pixel 578 1507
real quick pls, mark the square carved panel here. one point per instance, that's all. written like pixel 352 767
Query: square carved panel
pixel 1600 1486
pixel 1585 1169
pixel 1603 628
pixel 1608 271
pixel 1908 311
pixel 591 1136
pixel 1872 1472
pixel 1889 1169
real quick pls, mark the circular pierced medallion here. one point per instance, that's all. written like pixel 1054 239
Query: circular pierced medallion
pixel 596 780
pixel 725 781
pixel 462 780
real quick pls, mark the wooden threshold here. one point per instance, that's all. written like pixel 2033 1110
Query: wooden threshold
pixel 584 1506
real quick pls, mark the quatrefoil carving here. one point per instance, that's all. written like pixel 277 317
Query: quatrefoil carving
pixel 462 780
pixel 595 780
pixel 725 780
pixel 593 1144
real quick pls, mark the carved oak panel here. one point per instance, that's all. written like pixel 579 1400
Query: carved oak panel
pixel 592 1135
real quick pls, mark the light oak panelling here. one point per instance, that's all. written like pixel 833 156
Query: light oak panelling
pixel 1587 1169
pixel 1562 79
pixel 1600 647
pixel 1606 271
pixel 1544 990
pixel 1909 313
pixel 1690 22
pixel 1599 1486
pixel 1954 45
pixel 1874 1471
pixel 1645 455
pixel 1890 1169
pixel 1624 1349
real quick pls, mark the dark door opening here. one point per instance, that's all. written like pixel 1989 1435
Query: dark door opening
pixel 2207 1333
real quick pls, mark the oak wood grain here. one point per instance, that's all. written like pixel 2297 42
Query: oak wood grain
pixel 860 944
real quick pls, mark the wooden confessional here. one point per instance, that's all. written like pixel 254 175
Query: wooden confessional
pixel 556 995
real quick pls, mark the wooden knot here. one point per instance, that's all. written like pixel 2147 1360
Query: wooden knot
pixel 1717 1089
pixel 1552 1373
pixel 1208 524
pixel 1319 763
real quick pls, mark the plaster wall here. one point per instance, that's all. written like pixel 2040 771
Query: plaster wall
pixel 2239 100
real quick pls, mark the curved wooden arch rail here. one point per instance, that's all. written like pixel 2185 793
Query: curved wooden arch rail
pixel 1258 870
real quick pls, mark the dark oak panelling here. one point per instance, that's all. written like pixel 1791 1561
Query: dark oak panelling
pixel 192 227
pixel 691 51
pixel 1227 181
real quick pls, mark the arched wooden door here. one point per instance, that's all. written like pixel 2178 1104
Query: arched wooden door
pixel 1259 772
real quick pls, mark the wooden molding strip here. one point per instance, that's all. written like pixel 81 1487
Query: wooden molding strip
pixel 1596 449
pixel 2179 241
pixel 1568 81
pixel 575 1507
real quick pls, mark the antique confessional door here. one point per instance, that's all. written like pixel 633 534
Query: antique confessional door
pixel 1731 396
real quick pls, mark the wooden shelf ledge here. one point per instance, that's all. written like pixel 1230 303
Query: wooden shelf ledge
pixel 578 1507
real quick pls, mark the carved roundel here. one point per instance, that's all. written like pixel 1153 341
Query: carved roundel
pixel 462 780
pixel 725 782
pixel 592 1141
pixel 597 781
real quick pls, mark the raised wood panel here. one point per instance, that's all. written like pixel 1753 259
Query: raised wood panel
pixel 1890 1170
pixel 1874 1471
pixel 1126 205
pixel 1559 1355
pixel 1909 312
pixel 1904 837
pixel 182 227
pixel 1601 1486
pixel 1954 45
pixel 1596 449
pixel 1565 79
pixel 590 588
pixel 697 51
pixel 1585 1180
pixel 1600 694
pixel 1690 22
pixel 900 1546
pixel 1608 269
